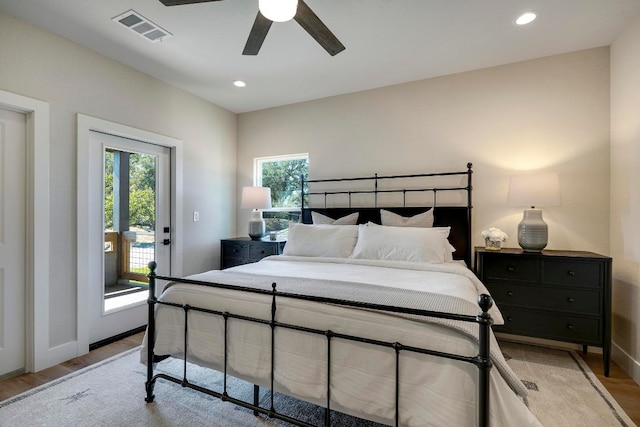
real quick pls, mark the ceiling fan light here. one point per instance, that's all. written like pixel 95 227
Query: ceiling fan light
pixel 278 10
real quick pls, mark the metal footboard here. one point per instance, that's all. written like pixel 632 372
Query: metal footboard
pixel 482 360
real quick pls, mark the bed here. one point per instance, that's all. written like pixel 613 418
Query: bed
pixel 370 311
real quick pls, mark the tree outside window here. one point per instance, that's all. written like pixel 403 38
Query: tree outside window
pixel 283 175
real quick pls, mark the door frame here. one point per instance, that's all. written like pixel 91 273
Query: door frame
pixel 86 124
pixel 38 353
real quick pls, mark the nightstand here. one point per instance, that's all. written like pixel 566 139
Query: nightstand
pixel 243 250
pixel 556 295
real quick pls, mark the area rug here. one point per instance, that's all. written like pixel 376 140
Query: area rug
pixel 563 392
pixel 562 389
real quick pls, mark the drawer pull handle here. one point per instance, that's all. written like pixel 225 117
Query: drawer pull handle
pixel 570 327
pixel 571 300
pixel 510 269
pixel 571 273
pixel 509 294
pixel 509 319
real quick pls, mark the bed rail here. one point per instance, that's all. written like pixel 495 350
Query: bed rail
pixel 482 360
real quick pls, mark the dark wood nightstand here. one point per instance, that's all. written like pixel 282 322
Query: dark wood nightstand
pixel 557 295
pixel 243 250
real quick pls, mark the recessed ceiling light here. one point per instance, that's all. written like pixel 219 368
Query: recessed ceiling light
pixel 526 18
pixel 239 83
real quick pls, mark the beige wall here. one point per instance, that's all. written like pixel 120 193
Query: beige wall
pixel 625 198
pixel 548 114
pixel 72 79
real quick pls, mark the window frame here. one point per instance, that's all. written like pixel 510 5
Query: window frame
pixel 257 175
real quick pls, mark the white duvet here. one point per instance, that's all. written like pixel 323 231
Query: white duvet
pixel 433 391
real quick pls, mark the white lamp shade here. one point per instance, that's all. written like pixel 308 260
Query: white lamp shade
pixel 278 10
pixel 255 198
pixel 538 189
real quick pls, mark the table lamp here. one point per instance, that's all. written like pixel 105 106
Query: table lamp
pixel 256 198
pixel 534 190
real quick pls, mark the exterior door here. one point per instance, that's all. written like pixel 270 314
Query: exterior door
pixel 12 241
pixel 132 201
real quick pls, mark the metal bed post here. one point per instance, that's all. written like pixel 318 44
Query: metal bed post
pixel 327 413
pixel 301 193
pixel 151 333
pixel 484 358
pixel 272 410
pixel 397 347
pixel 375 203
pixel 469 206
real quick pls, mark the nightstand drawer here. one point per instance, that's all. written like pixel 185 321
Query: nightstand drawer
pixel 510 268
pixel 583 330
pixel 233 262
pixel 257 252
pixel 568 300
pixel 572 273
pixel 236 249
pixel 242 250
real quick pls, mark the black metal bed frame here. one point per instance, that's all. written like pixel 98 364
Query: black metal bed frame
pixel 482 360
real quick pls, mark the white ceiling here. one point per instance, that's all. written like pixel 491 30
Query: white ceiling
pixel 387 41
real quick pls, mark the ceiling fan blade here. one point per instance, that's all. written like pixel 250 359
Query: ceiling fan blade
pixel 257 35
pixel 181 2
pixel 316 28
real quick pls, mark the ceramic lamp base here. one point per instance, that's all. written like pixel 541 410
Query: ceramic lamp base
pixel 533 232
pixel 257 228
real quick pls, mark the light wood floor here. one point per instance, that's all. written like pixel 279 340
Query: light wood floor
pixel 21 383
pixel 622 388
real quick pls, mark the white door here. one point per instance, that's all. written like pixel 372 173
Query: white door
pixel 12 241
pixel 126 238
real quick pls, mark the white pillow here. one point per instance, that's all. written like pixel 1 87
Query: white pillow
pixel 424 219
pixel 321 240
pixel 351 219
pixel 429 245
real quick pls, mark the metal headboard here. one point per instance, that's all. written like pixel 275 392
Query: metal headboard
pixel 375 191
pixel 457 216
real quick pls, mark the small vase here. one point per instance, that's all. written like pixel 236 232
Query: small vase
pixel 490 245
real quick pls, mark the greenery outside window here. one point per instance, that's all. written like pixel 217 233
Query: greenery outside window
pixel 283 175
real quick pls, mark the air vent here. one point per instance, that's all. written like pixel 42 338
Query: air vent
pixel 142 26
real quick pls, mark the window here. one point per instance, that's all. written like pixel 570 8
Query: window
pixel 283 175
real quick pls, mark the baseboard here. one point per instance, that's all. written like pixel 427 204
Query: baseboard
pixel 118 337
pixel 626 362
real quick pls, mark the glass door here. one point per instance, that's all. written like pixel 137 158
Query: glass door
pixel 132 202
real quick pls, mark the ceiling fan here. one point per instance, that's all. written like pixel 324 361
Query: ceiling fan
pixel 303 16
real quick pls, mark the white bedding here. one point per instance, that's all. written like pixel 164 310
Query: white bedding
pixel 433 391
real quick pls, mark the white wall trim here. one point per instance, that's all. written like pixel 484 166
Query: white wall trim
pixel 85 125
pixel 37 292
pixel 626 362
